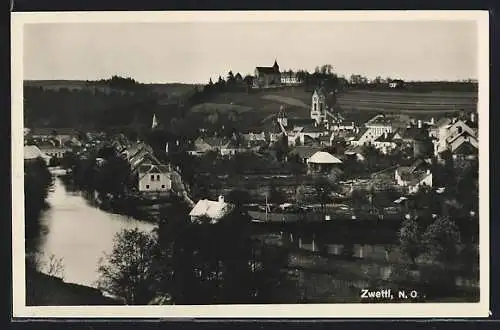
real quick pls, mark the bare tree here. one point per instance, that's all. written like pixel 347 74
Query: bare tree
pixel 51 265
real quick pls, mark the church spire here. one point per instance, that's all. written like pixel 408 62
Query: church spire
pixel 276 66
pixel 155 122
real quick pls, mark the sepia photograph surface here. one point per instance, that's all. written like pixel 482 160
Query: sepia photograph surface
pixel 250 164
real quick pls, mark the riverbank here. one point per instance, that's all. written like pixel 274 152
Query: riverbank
pixel 45 290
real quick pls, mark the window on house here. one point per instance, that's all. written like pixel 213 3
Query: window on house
pixel 158 177
pixel 315 106
pixel 163 186
pixel 152 177
pixel 147 186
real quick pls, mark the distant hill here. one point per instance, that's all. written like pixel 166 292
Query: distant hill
pixel 111 103
pixel 92 104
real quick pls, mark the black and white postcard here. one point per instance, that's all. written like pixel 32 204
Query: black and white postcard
pixel 250 164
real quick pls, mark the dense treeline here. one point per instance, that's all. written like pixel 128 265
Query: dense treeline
pixel 37 181
pixel 196 263
pixel 110 177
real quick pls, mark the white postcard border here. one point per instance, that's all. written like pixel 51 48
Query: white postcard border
pixel 424 310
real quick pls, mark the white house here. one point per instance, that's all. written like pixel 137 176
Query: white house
pixel 379 125
pixel 154 178
pixel 385 143
pixel 363 136
pixel 289 78
pixel 413 178
pixel 210 210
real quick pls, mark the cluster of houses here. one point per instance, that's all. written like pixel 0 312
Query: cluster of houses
pixel 308 137
pixel 49 144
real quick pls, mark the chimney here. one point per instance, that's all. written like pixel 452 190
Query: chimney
pixel 221 199
pixel 472 117
pixel 419 123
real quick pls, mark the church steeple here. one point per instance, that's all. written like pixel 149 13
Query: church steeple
pixel 155 122
pixel 276 66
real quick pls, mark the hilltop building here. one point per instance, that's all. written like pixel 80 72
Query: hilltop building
pixel 290 79
pixel 266 77
pixel 396 83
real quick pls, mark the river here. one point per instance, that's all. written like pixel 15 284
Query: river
pixel 80 233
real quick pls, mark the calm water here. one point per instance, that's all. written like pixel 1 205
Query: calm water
pixel 80 233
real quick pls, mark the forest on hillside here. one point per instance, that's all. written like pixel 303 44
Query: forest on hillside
pixel 123 103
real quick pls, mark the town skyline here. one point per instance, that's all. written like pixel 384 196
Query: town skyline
pixel 447 50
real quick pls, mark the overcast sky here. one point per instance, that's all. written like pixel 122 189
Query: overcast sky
pixel 194 52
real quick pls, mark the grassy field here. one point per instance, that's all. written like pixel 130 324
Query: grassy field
pixel 358 105
pixel 407 102
pixel 214 107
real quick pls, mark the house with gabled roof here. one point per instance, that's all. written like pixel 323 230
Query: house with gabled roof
pixel 453 133
pixel 210 211
pixel 154 178
pixel 141 157
pixel 304 152
pixel 386 143
pixel 414 177
pixel 363 136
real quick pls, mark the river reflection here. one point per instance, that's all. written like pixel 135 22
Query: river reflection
pixel 80 233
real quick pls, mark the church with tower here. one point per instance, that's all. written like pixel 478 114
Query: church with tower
pixel 319 106
pixel 267 76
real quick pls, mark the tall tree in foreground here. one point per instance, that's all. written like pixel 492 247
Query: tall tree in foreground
pixel 409 238
pixel 441 241
pixel 130 271
pixel 37 180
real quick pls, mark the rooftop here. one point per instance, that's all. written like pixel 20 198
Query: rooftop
pixel 214 210
pixel 33 152
pixel 412 175
pixel 380 120
pixel 305 151
pixel 268 70
pixel 322 157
